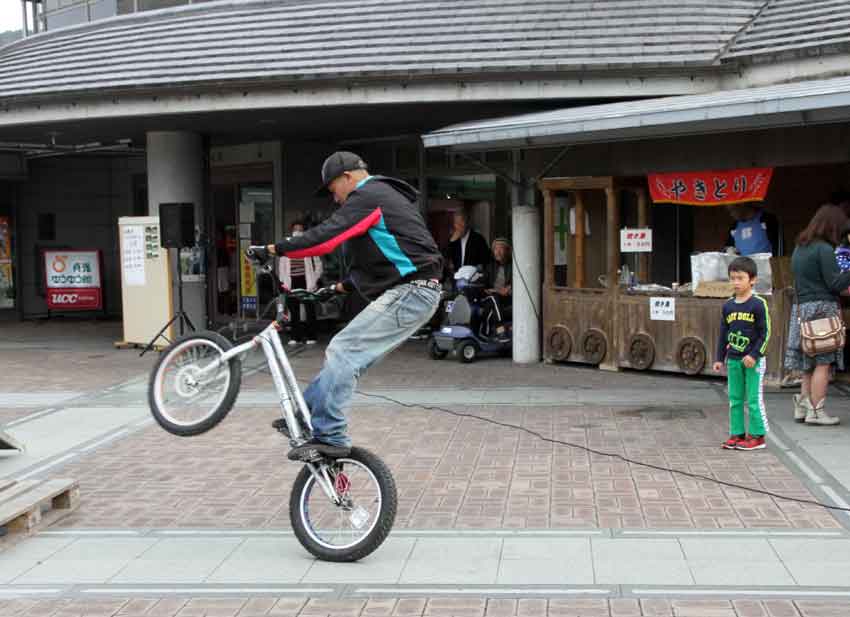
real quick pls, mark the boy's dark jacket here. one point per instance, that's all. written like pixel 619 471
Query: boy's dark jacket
pixel 388 241
pixel 744 329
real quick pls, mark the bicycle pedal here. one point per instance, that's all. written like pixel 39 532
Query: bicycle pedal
pixel 280 426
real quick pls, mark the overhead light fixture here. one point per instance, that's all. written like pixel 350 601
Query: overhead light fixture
pixel 35 150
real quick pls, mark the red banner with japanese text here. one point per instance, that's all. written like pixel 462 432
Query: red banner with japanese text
pixel 711 188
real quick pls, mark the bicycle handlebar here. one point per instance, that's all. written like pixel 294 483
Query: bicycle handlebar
pixel 261 256
pixel 319 295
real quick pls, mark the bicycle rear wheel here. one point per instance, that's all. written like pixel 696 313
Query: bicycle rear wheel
pixel 359 525
pixel 190 389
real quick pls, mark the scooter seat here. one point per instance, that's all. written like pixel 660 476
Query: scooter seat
pixel 461 313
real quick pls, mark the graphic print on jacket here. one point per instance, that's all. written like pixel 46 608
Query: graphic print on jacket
pixel 744 329
pixel 388 240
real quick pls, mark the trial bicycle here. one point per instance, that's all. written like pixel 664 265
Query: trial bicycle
pixel 341 509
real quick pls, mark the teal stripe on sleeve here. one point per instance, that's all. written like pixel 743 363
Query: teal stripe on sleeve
pixel 390 248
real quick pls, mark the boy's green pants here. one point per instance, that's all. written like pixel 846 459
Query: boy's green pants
pixel 746 384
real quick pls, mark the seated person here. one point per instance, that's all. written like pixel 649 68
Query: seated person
pixel 497 310
pixel 467 247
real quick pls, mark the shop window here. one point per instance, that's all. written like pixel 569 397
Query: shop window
pixel 46 227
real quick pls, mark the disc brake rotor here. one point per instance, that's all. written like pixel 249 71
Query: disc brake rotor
pixel 186 381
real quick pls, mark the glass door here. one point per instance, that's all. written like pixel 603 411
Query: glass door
pixel 225 259
pixel 255 213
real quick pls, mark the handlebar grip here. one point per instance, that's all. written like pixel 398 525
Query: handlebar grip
pixel 257 253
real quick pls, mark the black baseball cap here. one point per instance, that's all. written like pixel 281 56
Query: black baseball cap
pixel 337 163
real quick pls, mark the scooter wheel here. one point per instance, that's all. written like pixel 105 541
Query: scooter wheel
pixel 434 351
pixel 467 352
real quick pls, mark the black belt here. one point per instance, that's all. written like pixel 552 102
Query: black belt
pixel 428 283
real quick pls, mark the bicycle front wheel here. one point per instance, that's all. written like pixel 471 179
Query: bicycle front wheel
pixel 360 523
pixel 191 390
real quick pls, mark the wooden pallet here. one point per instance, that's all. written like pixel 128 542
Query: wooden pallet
pixel 30 504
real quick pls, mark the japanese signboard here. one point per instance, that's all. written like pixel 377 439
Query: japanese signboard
pixel 248 280
pixel 711 188
pixel 662 309
pixel 72 280
pixel 636 240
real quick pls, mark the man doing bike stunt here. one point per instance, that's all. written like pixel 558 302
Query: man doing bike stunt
pixel 395 264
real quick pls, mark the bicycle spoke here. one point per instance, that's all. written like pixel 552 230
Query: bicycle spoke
pixel 344 525
pixel 188 393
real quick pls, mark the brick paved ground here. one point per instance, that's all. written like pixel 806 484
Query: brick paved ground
pixel 452 473
pixel 420 607
pixel 65 355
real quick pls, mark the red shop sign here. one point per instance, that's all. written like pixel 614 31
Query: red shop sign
pixel 711 188
pixel 72 280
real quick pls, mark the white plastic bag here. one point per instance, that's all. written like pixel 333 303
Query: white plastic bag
pixel 714 266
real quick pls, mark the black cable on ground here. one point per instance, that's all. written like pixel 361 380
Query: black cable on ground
pixel 559 442
pixel 625 459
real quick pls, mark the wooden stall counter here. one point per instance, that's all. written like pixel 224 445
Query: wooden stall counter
pixel 614 327
pixel 682 337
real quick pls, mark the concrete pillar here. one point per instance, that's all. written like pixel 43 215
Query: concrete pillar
pixel 175 175
pixel 526 284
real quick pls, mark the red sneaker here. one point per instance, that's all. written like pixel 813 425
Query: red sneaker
pixel 732 442
pixel 753 442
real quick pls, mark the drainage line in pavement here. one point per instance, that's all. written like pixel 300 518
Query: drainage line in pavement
pixel 625 459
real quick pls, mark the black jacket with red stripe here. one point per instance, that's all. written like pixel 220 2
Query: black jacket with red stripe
pixel 387 238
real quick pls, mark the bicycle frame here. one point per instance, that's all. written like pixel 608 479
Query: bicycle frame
pixel 284 381
pixel 282 375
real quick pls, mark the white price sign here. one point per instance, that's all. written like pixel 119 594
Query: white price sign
pixel 636 240
pixel 662 309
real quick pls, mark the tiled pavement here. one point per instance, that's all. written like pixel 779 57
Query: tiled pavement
pixel 454 474
pixel 420 607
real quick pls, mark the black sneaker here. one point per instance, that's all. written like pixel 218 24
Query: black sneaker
pixel 314 450
pixel 280 425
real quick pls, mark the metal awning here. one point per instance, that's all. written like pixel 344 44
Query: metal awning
pixel 786 105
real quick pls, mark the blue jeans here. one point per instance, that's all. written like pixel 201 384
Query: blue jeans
pixel 381 327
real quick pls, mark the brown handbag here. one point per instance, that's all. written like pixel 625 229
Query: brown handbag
pixel 821 335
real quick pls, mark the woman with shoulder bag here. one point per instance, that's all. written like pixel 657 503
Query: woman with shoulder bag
pixel 816 331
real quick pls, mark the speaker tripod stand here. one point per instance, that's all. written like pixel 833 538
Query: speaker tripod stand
pixel 180 316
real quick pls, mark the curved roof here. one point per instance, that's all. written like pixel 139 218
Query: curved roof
pixel 231 42
pixel 793 104
pixel 785 26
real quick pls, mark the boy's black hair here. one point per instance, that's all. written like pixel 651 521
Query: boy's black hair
pixel 744 264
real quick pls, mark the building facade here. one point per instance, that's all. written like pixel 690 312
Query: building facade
pixel 119 106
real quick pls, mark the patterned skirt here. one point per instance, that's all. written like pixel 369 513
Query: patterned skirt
pixel 795 359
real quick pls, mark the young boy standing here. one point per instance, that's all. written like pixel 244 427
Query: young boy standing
pixel 744 335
